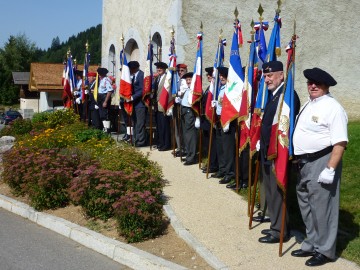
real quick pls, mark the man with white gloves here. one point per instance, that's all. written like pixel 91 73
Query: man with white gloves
pixel 320 138
pixel 188 120
pixel 94 115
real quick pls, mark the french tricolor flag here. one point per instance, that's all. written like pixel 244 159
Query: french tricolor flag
pixel 196 82
pixel 125 85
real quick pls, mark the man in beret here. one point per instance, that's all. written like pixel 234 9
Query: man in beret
pixel 320 138
pixel 105 91
pixel 139 108
pixel 274 79
pixel 225 136
pixel 189 121
pixel 94 115
pixel 162 120
pixel 205 126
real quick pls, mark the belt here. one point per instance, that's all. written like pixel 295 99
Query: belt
pixel 314 156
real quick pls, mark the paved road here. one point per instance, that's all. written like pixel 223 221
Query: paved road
pixel 27 246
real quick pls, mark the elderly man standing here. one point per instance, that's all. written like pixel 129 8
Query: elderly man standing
pixel 104 97
pixel 274 79
pixel 320 138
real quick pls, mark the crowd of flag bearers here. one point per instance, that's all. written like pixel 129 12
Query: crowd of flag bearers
pixel 236 127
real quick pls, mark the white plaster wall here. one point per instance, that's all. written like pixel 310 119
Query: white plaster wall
pixel 326 28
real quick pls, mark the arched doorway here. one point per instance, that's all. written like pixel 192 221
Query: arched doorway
pixel 132 50
pixel 112 61
pixel 157 45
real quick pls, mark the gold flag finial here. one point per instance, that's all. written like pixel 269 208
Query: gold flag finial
pixel 172 32
pixel 260 11
pixel 252 32
pixel 68 52
pixel 87 46
pixel 278 10
pixel 201 26
pixel 122 39
pixel 236 13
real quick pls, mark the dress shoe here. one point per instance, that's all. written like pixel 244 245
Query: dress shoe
pixel 266 231
pixel 269 239
pixel 261 219
pixel 210 170
pixel 217 175
pixel 317 260
pixel 231 186
pixel 225 180
pixel 302 253
pixel 186 163
pixel 164 149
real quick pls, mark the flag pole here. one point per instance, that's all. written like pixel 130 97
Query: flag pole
pixel 175 118
pixel 200 108
pixel 213 110
pixel 252 35
pixel 150 105
pixel 236 13
pixel 85 78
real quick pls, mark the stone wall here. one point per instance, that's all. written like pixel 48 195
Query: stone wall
pixel 326 30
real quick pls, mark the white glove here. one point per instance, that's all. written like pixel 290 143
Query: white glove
pixel 258 145
pixel 96 107
pixel 226 128
pixel 197 122
pixel 169 112
pixel 177 100
pixel 327 176
pixel 214 103
pixel 86 92
pixel 76 93
pixel 78 100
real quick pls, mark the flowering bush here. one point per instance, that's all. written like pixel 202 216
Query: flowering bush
pixel 17 128
pixel 139 215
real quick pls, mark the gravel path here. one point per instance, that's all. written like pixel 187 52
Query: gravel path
pixel 217 217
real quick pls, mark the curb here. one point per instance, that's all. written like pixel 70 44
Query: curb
pixel 113 249
pixel 211 259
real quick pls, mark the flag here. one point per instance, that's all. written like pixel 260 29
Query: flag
pixel 85 80
pixel 96 88
pixel 166 100
pixel 262 94
pixel 250 84
pixel 284 124
pixel 148 76
pixel 196 82
pixel 125 84
pixel 69 83
pixel 170 88
pixel 235 83
pixel 261 49
pixel 215 83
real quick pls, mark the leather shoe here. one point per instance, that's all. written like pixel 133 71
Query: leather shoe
pixel 302 253
pixel 317 260
pixel 225 180
pixel 217 175
pixel 266 231
pixel 210 170
pixel 186 163
pixel 232 186
pixel 269 239
pixel 261 219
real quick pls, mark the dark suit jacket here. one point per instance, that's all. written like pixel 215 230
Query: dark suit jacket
pixel 137 90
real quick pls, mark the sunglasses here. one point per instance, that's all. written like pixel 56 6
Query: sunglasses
pixel 312 82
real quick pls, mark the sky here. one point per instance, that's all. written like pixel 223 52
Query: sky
pixel 43 20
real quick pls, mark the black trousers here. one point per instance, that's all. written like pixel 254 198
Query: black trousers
pixel 139 118
pixel 163 130
pixel 225 146
pixel 214 164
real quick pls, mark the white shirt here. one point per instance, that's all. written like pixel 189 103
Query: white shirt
pixel 322 122
pixel 105 86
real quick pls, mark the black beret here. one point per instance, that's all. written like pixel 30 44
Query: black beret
pixel 161 65
pixel 188 75
pixel 79 73
pixel 133 64
pixel 209 70
pixel 223 71
pixel 102 71
pixel 320 76
pixel 272 66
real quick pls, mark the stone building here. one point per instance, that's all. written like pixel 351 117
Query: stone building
pixel 326 31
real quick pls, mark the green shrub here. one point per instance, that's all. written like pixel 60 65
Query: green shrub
pixel 139 215
pixel 17 128
pixel 41 117
pixel 91 133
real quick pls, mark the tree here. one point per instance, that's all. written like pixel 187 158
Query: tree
pixel 17 54
pixel 55 43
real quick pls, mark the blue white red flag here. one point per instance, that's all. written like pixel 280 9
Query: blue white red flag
pixel 196 82
pixel 235 83
pixel 85 80
pixel 69 83
pixel 215 82
pixel 125 90
pixel 148 76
